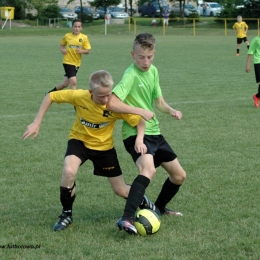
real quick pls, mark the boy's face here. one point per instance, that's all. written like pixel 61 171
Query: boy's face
pixel 143 58
pixel 76 28
pixel 101 95
pixel 239 19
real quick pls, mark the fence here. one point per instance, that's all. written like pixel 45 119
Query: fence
pixel 180 23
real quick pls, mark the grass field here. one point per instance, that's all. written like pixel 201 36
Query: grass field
pixel 216 142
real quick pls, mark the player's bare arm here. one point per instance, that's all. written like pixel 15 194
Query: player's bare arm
pixel 162 106
pixel 63 50
pixel 34 127
pixel 140 147
pixel 116 105
pixel 248 62
pixel 82 51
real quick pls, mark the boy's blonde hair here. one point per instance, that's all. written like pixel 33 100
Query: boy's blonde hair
pixel 100 78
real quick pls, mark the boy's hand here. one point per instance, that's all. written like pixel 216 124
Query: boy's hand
pixel 32 129
pixel 63 51
pixel 141 148
pixel 177 114
pixel 147 115
pixel 78 50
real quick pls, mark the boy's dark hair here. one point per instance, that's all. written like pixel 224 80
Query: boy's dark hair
pixel 146 40
pixel 76 20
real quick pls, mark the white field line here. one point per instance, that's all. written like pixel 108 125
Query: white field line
pixel 34 114
pixel 171 104
pixel 207 101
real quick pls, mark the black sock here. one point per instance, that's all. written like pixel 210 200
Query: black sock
pixel 247 46
pixel 168 191
pixel 237 50
pixel 54 89
pixel 67 200
pixel 135 195
pixel 258 93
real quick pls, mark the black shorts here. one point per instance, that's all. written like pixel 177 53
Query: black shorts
pixel 240 40
pixel 70 70
pixel 156 146
pixel 257 72
pixel 105 162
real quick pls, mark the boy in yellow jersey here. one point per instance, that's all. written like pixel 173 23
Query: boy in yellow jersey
pixel 91 139
pixel 241 29
pixel 254 51
pixel 72 46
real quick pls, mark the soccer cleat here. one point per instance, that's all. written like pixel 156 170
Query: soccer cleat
pixel 237 54
pixel 63 222
pixel 127 225
pixel 256 99
pixel 147 204
pixel 166 211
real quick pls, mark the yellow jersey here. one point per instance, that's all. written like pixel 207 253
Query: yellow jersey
pixel 94 124
pixel 72 42
pixel 240 28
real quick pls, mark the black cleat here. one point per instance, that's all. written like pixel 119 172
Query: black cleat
pixel 147 204
pixel 63 222
pixel 166 211
pixel 127 225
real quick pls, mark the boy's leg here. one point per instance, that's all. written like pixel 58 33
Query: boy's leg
pixel 60 86
pixel 171 186
pixel 64 84
pixel 122 189
pixel 67 191
pixel 73 83
pixel 238 49
pixel 256 97
pixel 135 197
pixel 119 186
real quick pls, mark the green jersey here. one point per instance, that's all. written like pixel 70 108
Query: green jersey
pixel 139 89
pixel 254 49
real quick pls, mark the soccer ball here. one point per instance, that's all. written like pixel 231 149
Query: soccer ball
pixel 147 222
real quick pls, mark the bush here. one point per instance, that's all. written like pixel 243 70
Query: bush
pixel 30 16
pixel 194 15
pixel 51 11
pixel 172 15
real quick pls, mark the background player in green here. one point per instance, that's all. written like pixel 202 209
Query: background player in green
pixel 136 93
pixel 90 139
pixel 241 29
pixel 72 46
pixel 254 50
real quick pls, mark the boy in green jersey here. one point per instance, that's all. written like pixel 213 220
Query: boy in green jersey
pixel 136 93
pixel 254 50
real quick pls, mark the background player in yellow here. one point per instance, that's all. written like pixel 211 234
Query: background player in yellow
pixel 241 29
pixel 72 46
pixel 90 139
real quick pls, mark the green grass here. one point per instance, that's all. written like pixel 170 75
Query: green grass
pixel 216 142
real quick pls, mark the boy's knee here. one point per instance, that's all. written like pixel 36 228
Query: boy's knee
pixel 120 191
pixel 69 173
pixel 178 178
